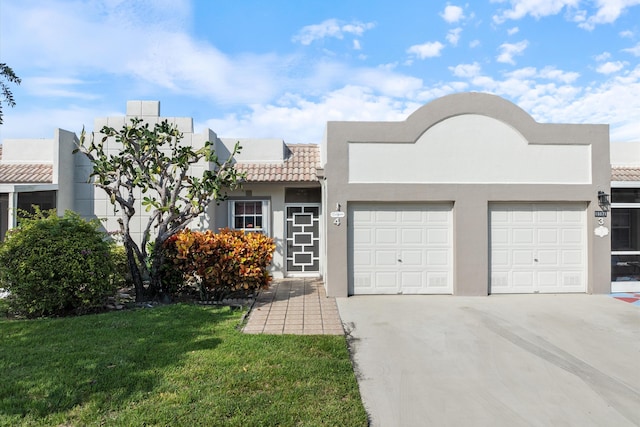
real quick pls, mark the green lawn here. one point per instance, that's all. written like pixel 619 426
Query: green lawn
pixel 173 365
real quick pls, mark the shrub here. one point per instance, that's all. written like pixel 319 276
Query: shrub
pixel 56 265
pixel 222 263
pixel 121 275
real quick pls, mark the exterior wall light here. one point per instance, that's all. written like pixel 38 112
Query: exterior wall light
pixel 603 200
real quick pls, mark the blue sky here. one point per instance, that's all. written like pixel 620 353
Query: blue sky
pixel 281 69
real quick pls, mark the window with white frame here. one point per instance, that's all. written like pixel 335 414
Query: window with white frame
pixel 249 215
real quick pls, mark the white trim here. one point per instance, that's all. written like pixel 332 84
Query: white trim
pixel 625 205
pixel 625 286
pixel 266 217
pixel 625 184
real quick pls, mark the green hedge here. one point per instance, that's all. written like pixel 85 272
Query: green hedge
pixel 55 266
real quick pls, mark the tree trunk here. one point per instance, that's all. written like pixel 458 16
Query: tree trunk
pixel 156 288
pixel 136 276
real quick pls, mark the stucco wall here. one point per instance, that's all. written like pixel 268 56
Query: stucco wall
pixel 275 194
pixel 434 130
pixel 93 202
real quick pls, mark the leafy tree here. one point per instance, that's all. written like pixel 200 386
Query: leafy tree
pixel 6 73
pixel 152 161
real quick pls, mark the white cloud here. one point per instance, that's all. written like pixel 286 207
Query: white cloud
pixel 62 87
pixel 162 55
pixel 426 50
pixel 356 45
pixel 512 31
pixel 474 43
pixel 536 8
pixel 553 73
pixel 466 70
pixel 453 36
pixel 509 50
pixel 608 11
pixel 300 120
pixel 330 28
pixel 452 14
pixel 603 56
pixel 627 34
pixel 41 122
pixel 611 67
pixel 635 51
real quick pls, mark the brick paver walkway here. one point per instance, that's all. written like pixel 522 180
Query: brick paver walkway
pixel 294 306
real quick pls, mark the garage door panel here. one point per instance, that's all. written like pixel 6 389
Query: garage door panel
pixel 572 257
pixel 410 251
pixel 500 258
pixel 412 279
pixel 438 258
pixel 522 279
pixel 538 247
pixel 548 279
pixel 438 280
pixel 548 236
pixel 362 236
pixel 499 235
pixel 411 258
pixel 522 236
pixel 385 258
pixel 548 257
pixel 573 280
pixel 522 258
pixel 523 216
pixel 438 236
pixel 411 216
pixel 386 236
pixel 572 236
pixel 440 215
pixel 575 216
pixel 384 216
pixel 412 236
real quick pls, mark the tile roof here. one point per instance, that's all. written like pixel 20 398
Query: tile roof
pixel 625 173
pixel 300 165
pixel 25 173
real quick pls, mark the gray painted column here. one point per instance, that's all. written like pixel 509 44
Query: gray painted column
pixel 471 245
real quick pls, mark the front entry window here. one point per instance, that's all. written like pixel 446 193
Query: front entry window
pixel 625 235
pixel 249 215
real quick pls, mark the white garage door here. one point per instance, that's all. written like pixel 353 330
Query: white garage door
pixel 538 248
pixel 400 248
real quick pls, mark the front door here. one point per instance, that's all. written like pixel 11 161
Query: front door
pixel 303 239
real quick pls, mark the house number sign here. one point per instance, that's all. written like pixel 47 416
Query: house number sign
pixel 601 214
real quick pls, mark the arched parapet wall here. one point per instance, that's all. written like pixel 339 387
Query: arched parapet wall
pixel 476 103
pixel 467 138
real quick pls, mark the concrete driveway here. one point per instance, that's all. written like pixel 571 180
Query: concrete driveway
pixel 508 360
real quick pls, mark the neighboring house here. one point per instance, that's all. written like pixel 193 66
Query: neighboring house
pixel 468 196
pixel 625 217
pixel 35 172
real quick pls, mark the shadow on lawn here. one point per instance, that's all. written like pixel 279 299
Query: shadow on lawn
pixel 53 365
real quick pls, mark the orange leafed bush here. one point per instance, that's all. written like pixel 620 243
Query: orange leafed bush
pixel 223 262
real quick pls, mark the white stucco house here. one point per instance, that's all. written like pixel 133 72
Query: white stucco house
pixel 467 196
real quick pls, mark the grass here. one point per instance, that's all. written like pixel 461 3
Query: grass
pixel 172 365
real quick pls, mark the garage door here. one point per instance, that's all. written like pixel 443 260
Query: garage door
pixel 538 248
pixel 400 248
